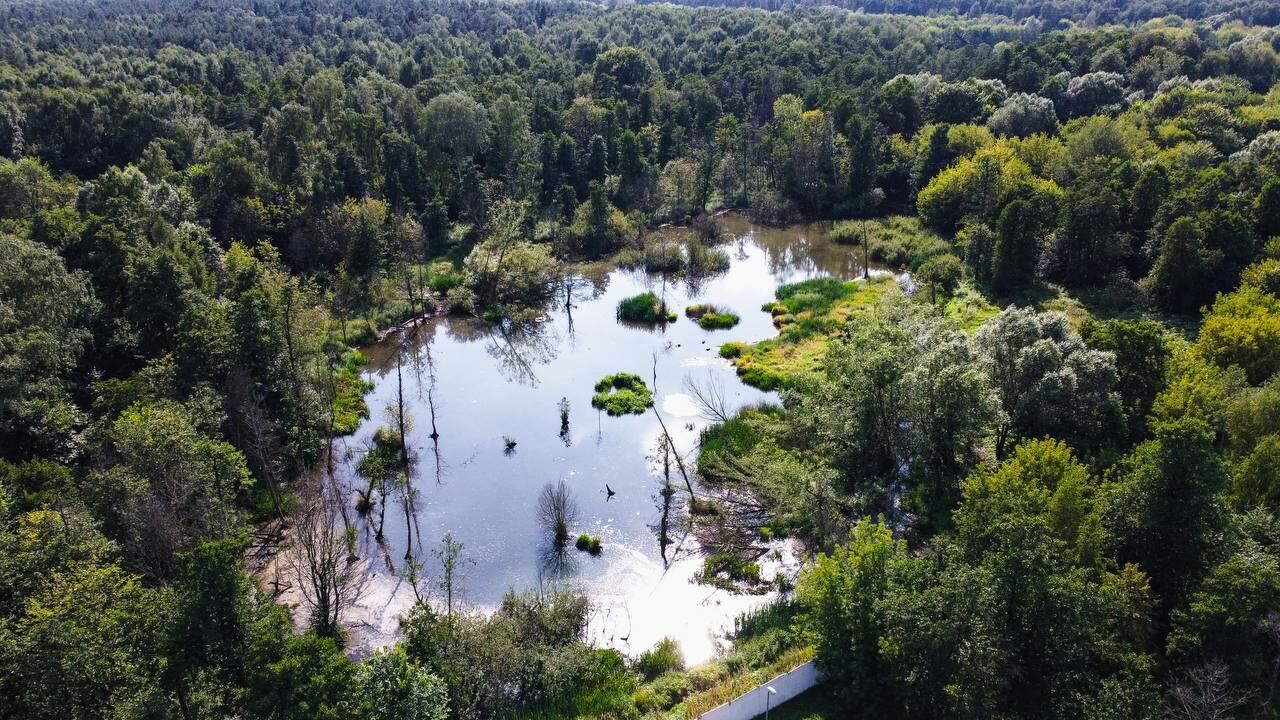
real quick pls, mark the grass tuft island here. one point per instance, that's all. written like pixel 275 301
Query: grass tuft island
pixel 622 394
pixel 711 317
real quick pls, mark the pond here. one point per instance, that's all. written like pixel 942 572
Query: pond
pixel 489 382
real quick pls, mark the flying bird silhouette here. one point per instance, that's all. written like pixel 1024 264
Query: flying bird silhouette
pixel 609 493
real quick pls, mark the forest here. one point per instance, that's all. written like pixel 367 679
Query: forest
pixel 1035 475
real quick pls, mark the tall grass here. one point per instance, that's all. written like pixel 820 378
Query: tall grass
pixel 644 308
pixel 899 241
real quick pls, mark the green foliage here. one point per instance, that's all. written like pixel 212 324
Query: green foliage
pixel 711 317
pixel 189 225
pixel 1142 357
pixel 392 686
pixel 644 308
pixel 1243 329
pixel 527 659
pixel 730 571
pixel 1022 349
pixel 940 272
pixel 665 657
pixel 589 544
pixel 1163 510
pixel 839 592
pixel 622 394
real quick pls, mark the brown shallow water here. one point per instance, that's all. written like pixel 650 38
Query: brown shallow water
pixel 490 381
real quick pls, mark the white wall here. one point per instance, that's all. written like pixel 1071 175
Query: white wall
pixel 751 704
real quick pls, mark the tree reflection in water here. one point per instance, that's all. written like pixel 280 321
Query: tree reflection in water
pixel 521 347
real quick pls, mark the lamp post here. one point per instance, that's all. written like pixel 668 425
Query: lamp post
pixel 767 697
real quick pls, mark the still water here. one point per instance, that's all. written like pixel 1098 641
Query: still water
pixel 488 382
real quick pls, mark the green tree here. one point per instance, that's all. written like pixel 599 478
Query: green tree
pixel 1142 356
pixel 44 315
pixel 1017 247
pixel 1162 508
pixel 393 687
pixel 841 592
pixel 1047 381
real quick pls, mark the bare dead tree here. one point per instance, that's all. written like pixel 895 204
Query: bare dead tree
pixel 259 437
pixel 679 461
pixel 557 510
pixel 709 397
pixel 323 565
pixel 1205 693
pixel 403 422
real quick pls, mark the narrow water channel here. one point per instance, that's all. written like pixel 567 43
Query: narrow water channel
pixel 488 382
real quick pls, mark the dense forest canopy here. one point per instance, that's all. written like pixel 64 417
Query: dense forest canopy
pixel 1062 508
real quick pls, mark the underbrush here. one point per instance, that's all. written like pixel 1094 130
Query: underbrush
pixel 735 436
pixel 768 641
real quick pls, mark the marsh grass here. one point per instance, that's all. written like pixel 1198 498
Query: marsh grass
pixel 622 394
pixel 735 436
pixel 589 544
pixel 899 241
pixel 704 260
pixel 806 314
pixel 711 317
pixel 644 308
pixel 665 657
pixel 349 407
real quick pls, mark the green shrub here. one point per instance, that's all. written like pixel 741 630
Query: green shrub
pixel 605 687
pixel 732 349
pixel 670 688
pixel 647 701
pixel 711 317
pixel 443 277
pixel 461 300
pixel 589 544
pixel 644 308
pixel 663 658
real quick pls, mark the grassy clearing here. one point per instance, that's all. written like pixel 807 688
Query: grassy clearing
pixel 806 314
